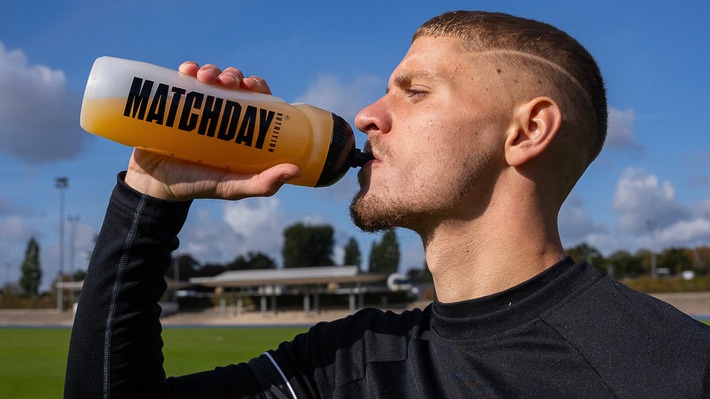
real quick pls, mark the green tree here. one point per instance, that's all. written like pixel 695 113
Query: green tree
pixel 384 256
pixel 625 264
pixel 587 254
pixel 701 259
pixel 31 269
pixel 210 270
pixel 675 260
pixel 79 275
pixel 306 246
pixel 645 256
pixel 420 275
pixel 352 253
pixel 187 267
pixel 252 261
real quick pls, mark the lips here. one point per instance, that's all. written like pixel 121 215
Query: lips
pixel 367 149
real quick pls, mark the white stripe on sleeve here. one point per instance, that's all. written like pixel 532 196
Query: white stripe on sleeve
pixel 282 374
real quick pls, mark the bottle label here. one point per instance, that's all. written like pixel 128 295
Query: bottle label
pixel 206 115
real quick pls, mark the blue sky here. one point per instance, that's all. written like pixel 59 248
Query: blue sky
pixel 654 55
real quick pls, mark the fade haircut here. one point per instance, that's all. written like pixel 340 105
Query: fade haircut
pixel 552 53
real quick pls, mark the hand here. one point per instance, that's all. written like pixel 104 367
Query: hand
pixel 230 78
pixel 173 179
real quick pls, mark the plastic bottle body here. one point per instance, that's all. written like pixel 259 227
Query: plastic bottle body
pixel 164 111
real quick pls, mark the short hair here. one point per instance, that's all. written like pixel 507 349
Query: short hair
pixel 490 31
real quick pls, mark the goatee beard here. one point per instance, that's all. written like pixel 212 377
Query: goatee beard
pixel 371 214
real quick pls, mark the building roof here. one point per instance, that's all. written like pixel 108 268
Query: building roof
pixel 290 276
pixel 78 285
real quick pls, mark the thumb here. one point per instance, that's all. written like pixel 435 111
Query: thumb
pixel 264 184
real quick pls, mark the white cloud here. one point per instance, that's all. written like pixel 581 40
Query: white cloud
pixel 641 197
pixel 12 228
pixel 314 220
pixel 703 208
pixel 685 232
pixel 650 210
pixel 343 98
pixel 620 135
pixel 252 224
pixel 258 221
pixel 611 241
pixel 575 224
pixel 208 239
pixel 39 116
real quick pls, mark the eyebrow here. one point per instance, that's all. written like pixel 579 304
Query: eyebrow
pixel 406 78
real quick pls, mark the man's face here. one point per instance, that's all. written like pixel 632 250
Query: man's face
pixel 437 137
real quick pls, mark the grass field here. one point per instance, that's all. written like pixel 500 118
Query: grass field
pixel 33 360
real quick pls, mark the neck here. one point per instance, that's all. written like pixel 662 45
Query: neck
pixel 507 245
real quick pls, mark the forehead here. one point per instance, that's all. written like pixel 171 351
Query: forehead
pixel 439 59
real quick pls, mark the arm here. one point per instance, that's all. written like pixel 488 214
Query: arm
pixel 115 349
pixel 115 345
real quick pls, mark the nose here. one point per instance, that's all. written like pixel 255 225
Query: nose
pixel 375 118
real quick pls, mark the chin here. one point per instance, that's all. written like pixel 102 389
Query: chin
pixel 372 214
pixel 361 212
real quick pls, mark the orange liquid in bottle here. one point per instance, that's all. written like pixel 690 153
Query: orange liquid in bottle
pixel 162 111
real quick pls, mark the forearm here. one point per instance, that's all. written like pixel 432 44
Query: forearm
pixel 116 346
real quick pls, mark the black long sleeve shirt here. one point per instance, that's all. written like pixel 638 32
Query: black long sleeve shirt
pixel 569 332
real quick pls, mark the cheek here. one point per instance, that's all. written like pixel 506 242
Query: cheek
pixel 426 149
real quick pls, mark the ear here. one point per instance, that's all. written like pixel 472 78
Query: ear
pixel 534 126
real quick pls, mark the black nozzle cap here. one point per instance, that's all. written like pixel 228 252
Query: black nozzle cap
pixel 342 154
pixel 359 158
pixel 338 160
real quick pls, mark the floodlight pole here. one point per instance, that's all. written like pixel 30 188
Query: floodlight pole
pixel 72 244
pixel 61 183
pixel 651 225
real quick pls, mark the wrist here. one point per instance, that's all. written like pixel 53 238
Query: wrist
pixel 146 184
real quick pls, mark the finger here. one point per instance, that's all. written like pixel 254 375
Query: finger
pixel 189 68
pixel 263 184
pixel 268 182
pixel 231 78
pixel 256 84
pixel 209 74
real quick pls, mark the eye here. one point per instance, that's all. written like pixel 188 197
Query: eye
pixel 415 93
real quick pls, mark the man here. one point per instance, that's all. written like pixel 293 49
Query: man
pixel 486 125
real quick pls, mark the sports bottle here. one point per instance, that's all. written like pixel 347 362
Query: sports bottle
pixel 164 111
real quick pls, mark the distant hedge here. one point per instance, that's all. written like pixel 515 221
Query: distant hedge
pixel 668 284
